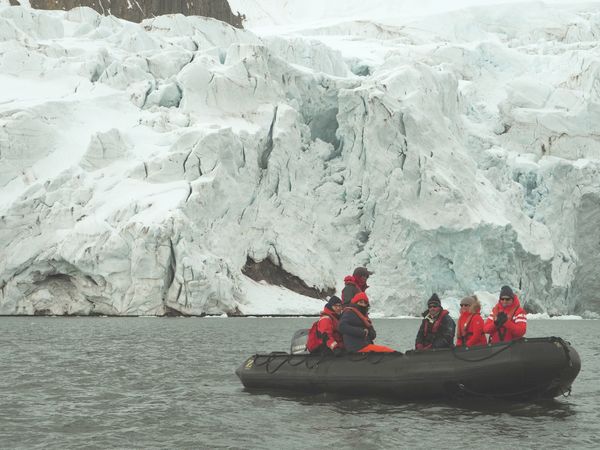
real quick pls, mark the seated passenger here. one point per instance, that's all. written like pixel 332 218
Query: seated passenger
pixel 437 328
pixel 470 324
pixel 324 336
pixel 508 321
pixel 356 327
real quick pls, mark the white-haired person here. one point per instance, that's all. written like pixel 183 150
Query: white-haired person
pixel 469 331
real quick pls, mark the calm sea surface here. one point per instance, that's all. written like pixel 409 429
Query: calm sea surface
pixel 170 383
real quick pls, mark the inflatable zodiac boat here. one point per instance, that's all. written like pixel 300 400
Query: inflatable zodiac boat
pixel 526 369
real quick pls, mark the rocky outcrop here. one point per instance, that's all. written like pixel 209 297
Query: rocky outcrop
pixel 274 274
pixel 138 10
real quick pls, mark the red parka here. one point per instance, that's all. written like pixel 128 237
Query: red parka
pixel 469 331
pixel 328 326
pixel 514 328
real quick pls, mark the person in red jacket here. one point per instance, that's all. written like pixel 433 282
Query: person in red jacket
pixel 469 331
pixel 508 321
pixel 355 283
pixel 327 328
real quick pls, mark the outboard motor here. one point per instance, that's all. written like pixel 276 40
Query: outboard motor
pixel 299 342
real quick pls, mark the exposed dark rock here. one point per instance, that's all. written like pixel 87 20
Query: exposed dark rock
pixel 172 312
pixel 235 313
pixel 263 160
pixel 274 274
pixel 56 277
pixel 138 10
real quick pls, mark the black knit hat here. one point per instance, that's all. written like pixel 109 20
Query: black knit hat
pixel 362 272
pixel 333 300
pixel 434 300
pixel 506 291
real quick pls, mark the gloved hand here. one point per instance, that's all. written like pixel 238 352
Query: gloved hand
pixel 501 319
pixel 371 334
pixel 337 352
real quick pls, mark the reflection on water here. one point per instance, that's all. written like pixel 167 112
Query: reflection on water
pixel 342 404
pixel 547 408
pixel 170 383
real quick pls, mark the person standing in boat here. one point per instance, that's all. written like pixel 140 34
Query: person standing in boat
pixel 327 338
pixel 508 321
pixel 469 331
pixel 357 329
pixel 437 328
pixel 355 283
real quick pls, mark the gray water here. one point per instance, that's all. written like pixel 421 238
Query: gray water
pixel 170 383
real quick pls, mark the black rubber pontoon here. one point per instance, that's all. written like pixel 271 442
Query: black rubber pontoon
pixel 525 369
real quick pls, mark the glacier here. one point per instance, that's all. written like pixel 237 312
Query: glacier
pixel 149 169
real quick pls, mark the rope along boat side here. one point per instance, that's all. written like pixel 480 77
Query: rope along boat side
pixel 525 369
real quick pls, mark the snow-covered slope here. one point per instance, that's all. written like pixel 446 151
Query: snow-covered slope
pixel 450 150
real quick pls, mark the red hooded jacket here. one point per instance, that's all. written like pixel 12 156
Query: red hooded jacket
pixel 328 324
pixel 470 330
pixel 514 328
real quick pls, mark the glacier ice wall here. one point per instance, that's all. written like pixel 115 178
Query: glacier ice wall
pixel 141 166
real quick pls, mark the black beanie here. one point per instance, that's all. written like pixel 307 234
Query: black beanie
pixel 362 272
pixel 333 300
pixel 434 300
pixel 506 291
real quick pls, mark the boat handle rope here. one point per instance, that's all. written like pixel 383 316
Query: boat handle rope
pixel 268 359
pixel 565 347
pixel 354 357
pixel 510 344
pixel 272 357
pixel 302 360
pixel 381 358
pixel 558 340
pixel 267 363
pixel 268 369
pixel 313 366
